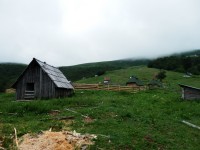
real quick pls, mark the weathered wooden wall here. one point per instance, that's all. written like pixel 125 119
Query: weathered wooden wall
pixel 32 75
pixel 61 92
pixel 44 87
pixel 190 93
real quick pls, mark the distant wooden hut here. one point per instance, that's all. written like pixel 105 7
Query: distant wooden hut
pixel 106 80
pixel 134 82
pixel 42 81
pixel 189 92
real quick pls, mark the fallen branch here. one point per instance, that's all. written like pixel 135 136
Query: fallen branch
pixel 12 113
pixel 76 112
pixel 106 136
pixel 8 113
pixel 66 118
pixel 58 118
pixel 55 111
pixel 16 141
pixel 190 124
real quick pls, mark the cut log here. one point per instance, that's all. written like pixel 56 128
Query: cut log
pixel 16 141
pixel 190 124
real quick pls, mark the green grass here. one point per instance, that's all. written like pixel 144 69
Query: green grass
pixel 145 74
pixel 145 120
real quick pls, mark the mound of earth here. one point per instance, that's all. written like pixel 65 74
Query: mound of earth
pixel 64 140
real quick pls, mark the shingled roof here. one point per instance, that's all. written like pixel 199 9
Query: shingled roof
pixel 54 73
pixel 135 80
pixel 187 86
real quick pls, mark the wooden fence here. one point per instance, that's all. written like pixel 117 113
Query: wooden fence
pixel 83 86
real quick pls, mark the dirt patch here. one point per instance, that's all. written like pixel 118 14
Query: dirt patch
pixel 88 120
pixel 64 140
pixel 54 112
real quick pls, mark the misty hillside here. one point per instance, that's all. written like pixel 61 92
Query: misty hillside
pixel 184 62
pixel 11 71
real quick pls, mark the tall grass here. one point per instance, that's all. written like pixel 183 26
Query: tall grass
pixel 145 120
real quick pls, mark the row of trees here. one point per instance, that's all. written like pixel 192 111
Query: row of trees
pixel 178 63
pixel 9 73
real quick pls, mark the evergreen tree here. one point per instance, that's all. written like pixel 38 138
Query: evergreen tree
pixel 161 75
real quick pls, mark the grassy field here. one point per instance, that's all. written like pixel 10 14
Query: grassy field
pixel 145 120
pixel 145 74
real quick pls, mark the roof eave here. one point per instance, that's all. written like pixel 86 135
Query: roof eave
pixel 182 85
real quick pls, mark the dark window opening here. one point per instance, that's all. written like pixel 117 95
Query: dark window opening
pixel 30 86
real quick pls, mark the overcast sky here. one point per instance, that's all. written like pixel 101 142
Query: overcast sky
pixel 69 32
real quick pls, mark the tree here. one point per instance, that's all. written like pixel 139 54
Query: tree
pixel 161 75
pixel 187 63
pixel 99 73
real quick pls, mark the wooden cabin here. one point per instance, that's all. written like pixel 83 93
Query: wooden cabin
pixel 134 82
pixel 106 80
pixel 42 81
pixel 189 92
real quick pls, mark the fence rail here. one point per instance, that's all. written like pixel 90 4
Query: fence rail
pixel 83 86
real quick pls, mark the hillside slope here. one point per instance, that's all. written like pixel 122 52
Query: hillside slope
pixel 78 72
pixel 148 119
pixel 11 71
pixel 145 74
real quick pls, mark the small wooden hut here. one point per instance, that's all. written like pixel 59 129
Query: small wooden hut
pixel 134 82
pixel 106 80
pixel 42 81
pixel 189 92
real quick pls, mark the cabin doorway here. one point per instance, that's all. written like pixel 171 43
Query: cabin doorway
pixel 30 87
pixel 29 92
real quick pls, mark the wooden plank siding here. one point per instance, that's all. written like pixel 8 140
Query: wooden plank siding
pixel 190 93
pixel 43 87
pixel 31 75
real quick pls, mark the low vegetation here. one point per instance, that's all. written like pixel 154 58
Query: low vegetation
pixel 145 120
